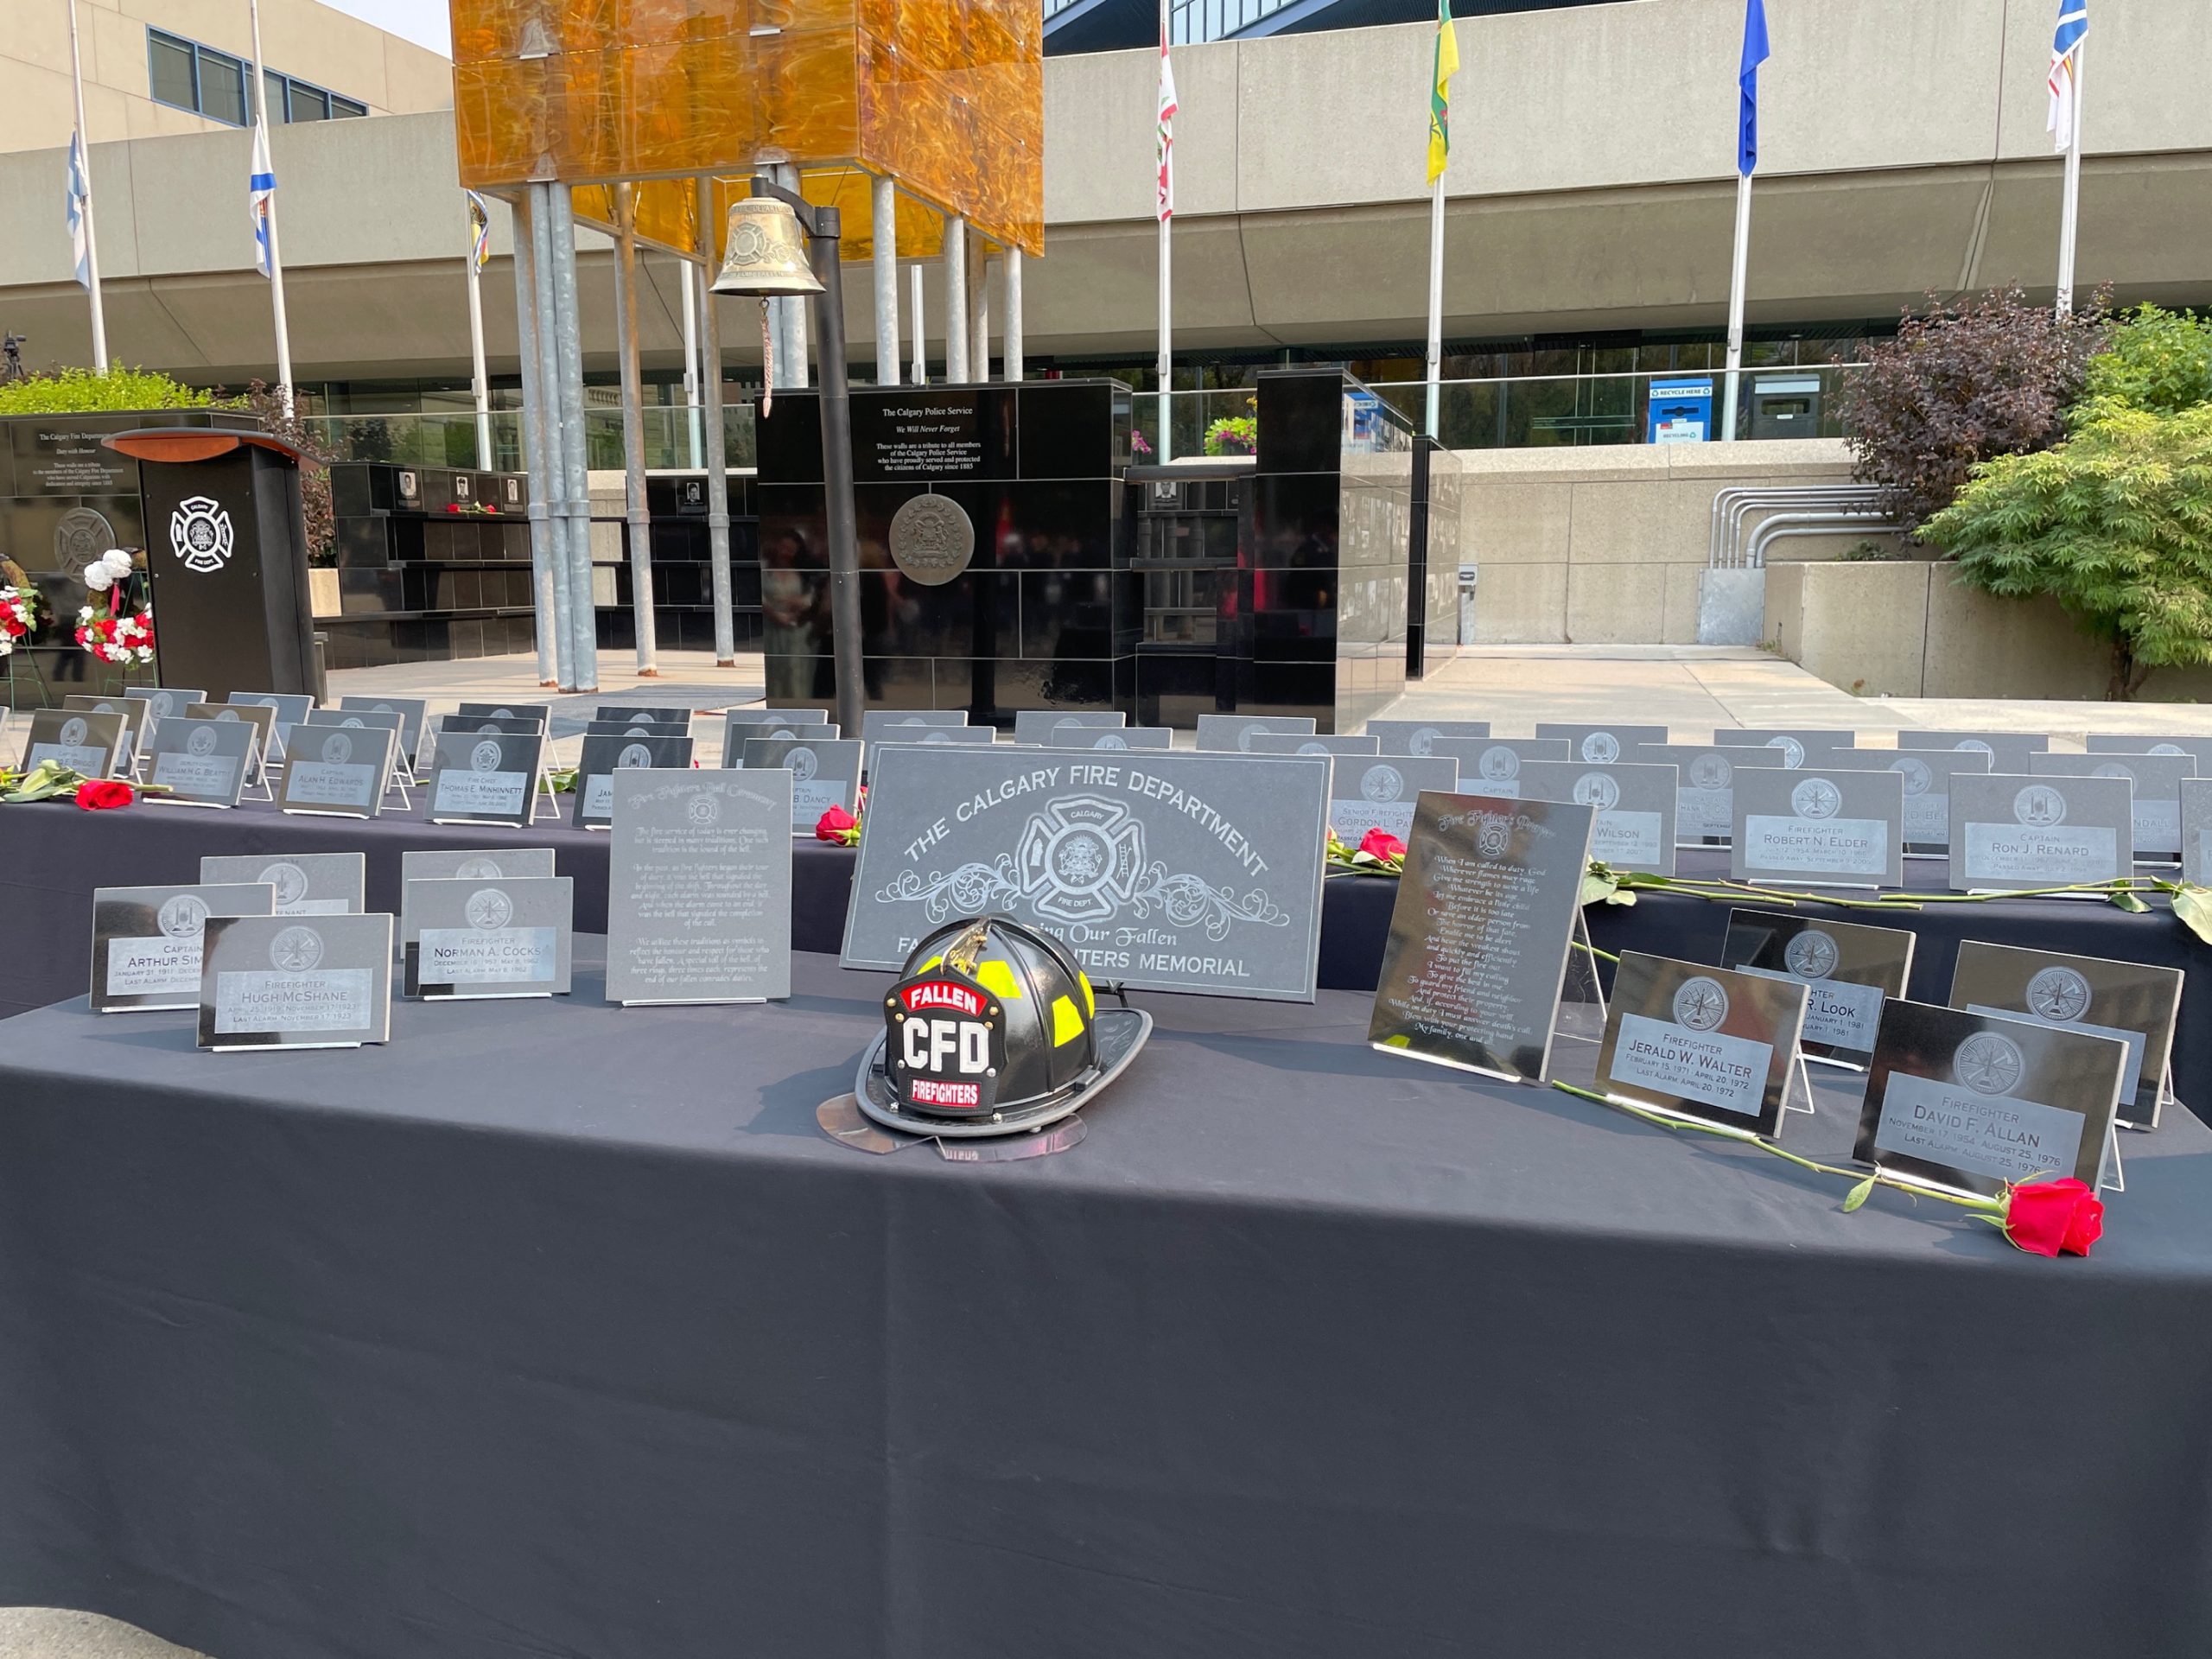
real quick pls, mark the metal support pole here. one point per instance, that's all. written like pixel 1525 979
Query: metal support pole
pixel 1736 307
pixel 1012 266
pixel 690 277
pixel 979 306
pixel 480 378
pixel 1435 303
pixel 583 620
pixel 549 487
pixel 633 435
pixel 1165 365
pixel 837 467
pixel 710 335
pixel 551 624
pixel 956 298
pixel 885 213
pixel 791 349
pixel 921 332
pixel 2070 209
pixel 276 254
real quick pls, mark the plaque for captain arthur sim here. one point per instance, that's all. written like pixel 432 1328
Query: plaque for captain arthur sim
pixel 146 941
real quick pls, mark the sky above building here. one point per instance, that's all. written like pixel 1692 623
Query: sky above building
pixel 425 22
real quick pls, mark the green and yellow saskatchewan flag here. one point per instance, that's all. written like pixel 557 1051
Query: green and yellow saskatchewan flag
pixel 1439 95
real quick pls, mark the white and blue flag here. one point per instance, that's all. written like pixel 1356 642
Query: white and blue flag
pixel 1755 53
pixel 261 196
pixel 2065 64
pixel 80 192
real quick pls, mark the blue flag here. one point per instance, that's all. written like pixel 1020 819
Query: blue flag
pixel 81 234
pixel 1747 78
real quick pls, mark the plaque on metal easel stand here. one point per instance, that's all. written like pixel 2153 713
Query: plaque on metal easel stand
pixel 1703 1044
pixel 275 982
pixel 2133 1002
pixel 198 762
pixel 1849 969
pixel 485 938
pixel 2011 832
pixel 1415 736
pixel 1635 828
pixel 473 864
pixel 1487 912
pixel 146 941
pixel 479 779
pixel 823 774
pixel 1839 829
pixel 699 886
pixel 337 772
pixel 1039 726
pixel 138 724
pixel 605 756
pixel 89 744
pixel 308 884
pixel 1380 792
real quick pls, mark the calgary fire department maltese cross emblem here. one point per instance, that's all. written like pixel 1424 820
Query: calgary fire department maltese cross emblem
pixel 1080 859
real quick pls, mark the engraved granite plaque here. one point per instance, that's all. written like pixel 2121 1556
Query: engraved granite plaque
pixel 263 719
pixel 2008 752
pixel 1848 970
pixel 647 714
pixel 1379 792
pixel 783 731
pixel 288 710
pixel 413 713
pixel 1819 829
pixel 2196 831
pixel 1415 736
pixel 1794 744
pixel 1222 733
pixel 1601 745
pixel 1491 766
pixel 2157 779
pixel 163 700
pixel 915 737
pixel 1479 933
pixel 605 756
pixel 137 723
pixel 475 778
pixel 2010 832
pixel 823 774
pixel 86 743
pixel 540 712
pixel 509 937
pixel 1704 791
pixel 894 725
pixel 337 770
pixel 198 762
pixel 277 982
pixel 1635 806
pixel 1310 743
pixel 1927 774
pixel 635 728
pixel 2133 1002
pixel 699 886
pixel 466 864
pixel 486 725
pixel 1968 1102
pixel 308 884
pixel 756 714
pixel 1112 737
pixel 1178 872
pixel 1707 1044
pixel 1038 725
pixel 146 941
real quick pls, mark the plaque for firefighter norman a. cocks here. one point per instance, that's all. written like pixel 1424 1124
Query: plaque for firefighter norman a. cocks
pixel 1170 872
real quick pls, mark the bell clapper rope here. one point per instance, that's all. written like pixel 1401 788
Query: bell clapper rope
pixel 767 361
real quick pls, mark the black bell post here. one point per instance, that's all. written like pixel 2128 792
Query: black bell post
pixel 226 555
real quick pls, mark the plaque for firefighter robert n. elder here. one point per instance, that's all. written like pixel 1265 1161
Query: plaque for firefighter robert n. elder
pixel 1172 872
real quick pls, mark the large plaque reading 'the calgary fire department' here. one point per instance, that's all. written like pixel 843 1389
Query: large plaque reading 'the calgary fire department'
pixel 1172 872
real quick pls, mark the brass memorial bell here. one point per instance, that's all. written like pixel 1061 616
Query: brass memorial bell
pixel 765 250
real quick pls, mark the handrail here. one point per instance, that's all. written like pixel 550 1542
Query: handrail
pixel 1731 505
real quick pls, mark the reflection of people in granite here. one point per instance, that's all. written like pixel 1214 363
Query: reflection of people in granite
pixel 787 611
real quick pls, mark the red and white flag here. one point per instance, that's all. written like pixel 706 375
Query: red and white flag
pixel 1167 144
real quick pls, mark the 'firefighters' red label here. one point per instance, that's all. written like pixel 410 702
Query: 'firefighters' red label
pixel 924 1092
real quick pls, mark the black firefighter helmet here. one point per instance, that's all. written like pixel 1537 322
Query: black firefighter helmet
pixel 992 1029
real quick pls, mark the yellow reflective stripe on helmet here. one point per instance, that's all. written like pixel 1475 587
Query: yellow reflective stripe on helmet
pixel 1067 1024
pixel 997 978
pixel 1090 1002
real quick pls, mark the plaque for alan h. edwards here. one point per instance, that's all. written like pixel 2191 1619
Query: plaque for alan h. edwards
pixel 699 886
pixel 336 771
pixel 1479 934
pixel 1176 872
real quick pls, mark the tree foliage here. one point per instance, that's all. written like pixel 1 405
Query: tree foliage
pixel 1967 381
pixel 2116 525
pixel 2158 360
pixel 315 456
pixel 79 391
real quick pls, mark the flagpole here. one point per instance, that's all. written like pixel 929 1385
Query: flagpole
pixel 85 161
pixel 1736 306
pixel 1165 209
pixel 276 258
pixel 481 380
pixel 1435 302
pixel 2069 213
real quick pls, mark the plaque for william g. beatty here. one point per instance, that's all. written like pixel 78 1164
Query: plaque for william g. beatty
pixel 1969 1102
pixel 146 941
pixel 1227 733
pixel 308 884
pixel 1039 726
pixel 198 762
pixel 605 756
pixel 481 938
pixel 1602 745
pixel 699 886
pixel 1171 872
pixel 1848 970
pixel 279 981
pixel 823 774
pixel 2157 779
pixel 480 777
pixel 336 771
pixel 1415 736
pixel 1707 1043
pixel 2133 1002
pixel 2010 831
pixel 1491 766
pixel 1379 792
pixel 1479 934
pixel 1635 806
pixel 1705 785
pixel 1827 828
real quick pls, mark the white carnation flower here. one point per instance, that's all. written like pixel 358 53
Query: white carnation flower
pixel 98 576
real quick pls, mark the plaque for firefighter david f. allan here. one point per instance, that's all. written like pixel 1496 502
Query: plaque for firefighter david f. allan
pixel 1174 872
pixel 1479 934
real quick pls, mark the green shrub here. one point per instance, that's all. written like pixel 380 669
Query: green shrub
pixel 2158 360
pixel 79 391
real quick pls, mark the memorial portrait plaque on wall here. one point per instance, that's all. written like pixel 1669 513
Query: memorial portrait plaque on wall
pixel 470 864
pixel 1635 804
pixel 1968 1102
pixel 91 743
pixel 2131 1002
pixel 1037 725
pixel 2155 809
pixel 2008 752
pixel 490 938
pixel 1848 970
pixel 308 884
pixel 146 941
pixel 1707 1043
pixel 1705 786
pixel 699 886
pixel 1491 766
pixel 277 982
pixel 1600 744
pixel 605 756
pixel 1415 736
pixel 1112 737
pixel 1228 733
pixel 1480 930
pixel 1177 872
pixel 198 762
pixel 1819 828
pixel 823 774
pixel 413 713
pixel 338 771
pixel 1380 792
pixel 1310 743
pixel 476 778
pixel 2011 831
pixel 137 723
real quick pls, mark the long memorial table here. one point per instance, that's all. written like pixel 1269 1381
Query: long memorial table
pixel 552 1327
pixel 52 857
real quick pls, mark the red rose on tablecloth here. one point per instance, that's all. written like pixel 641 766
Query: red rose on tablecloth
pixel 1378 843
pixel 834 824
pixel 102 793
pixel 2045 1217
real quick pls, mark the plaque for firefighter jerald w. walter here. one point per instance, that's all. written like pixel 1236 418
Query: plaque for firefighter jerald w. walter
pixel 1707 1043
pixel 1176 872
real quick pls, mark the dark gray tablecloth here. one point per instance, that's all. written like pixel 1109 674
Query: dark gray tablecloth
pixel 555 1329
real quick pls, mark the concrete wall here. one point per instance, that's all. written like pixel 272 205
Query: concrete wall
pixel 1913 630
pixel 300 38
pixel 1603 545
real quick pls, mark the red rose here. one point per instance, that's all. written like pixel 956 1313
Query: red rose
pixel 102 793
pixel 2047 1217
pixel 1376 844
pixel 834 824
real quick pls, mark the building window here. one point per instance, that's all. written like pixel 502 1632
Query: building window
pixel 188 76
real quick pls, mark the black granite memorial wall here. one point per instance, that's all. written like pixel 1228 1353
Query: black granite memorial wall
pixel 433 563
pixel 684 588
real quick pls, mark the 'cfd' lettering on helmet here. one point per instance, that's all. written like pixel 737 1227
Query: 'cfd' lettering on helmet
pixel 930 1044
